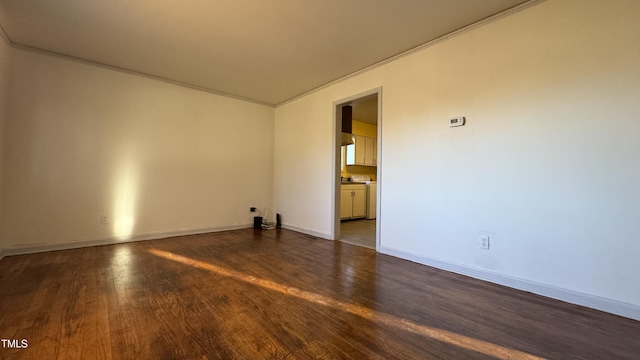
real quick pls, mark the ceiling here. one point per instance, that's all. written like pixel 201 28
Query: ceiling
pixel 264 51
pixel 366 109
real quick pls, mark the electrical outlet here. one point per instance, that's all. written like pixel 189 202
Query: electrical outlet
pixel 104 219
pixel 484 242
pixel 252 209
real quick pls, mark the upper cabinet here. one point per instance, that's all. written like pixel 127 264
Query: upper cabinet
pixel 363 151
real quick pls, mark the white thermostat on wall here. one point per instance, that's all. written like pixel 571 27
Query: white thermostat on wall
pixel 459 121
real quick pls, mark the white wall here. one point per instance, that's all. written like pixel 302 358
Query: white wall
pixel 155 158
pixel 4 71
pixel 547 164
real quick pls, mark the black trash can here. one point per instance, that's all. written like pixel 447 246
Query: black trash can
pixel 257 222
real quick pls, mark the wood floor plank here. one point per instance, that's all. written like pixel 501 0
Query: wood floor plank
pixel 279 294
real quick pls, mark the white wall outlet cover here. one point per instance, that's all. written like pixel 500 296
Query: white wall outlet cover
pixel 484 242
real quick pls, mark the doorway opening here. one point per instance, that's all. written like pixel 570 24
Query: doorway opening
pixel 358 169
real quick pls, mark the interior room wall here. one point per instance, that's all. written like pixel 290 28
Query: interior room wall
pixel 364 129
pixel 546 164
pixel 85 142
pixel 4 71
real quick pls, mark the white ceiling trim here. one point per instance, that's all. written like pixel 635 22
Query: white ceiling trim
pixel 132 72
pixel 442 38
pixel 4 36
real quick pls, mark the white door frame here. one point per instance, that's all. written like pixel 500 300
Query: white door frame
pixel 337 130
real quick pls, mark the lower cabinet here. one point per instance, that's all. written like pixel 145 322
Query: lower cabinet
pixel 353 201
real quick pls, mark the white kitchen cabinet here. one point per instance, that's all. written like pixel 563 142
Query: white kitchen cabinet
pixel 359 203
pixel 363 151
pixel 353 201
pixel 360 149
pixel 346 203
pixel 369 151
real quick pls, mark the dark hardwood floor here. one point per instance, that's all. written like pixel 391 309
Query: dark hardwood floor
pixel 277 294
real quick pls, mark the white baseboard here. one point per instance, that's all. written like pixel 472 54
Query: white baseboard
pixel 591 301
pixel 307 231
pixel 30 249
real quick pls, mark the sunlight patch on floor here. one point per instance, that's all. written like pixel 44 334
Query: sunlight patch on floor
pixel 369 314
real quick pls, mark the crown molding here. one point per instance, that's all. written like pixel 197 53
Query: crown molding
pixel 4 36
pixel 15 45
pixel 135 72
pixel 428 44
